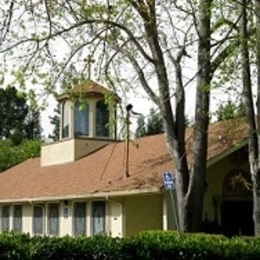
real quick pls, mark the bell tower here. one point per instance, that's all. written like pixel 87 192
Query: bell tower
pixel 87 123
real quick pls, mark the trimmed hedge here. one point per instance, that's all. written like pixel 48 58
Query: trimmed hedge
pixel 147 245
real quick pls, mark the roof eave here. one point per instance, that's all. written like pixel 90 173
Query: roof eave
pixel 91 195
pixel 227 152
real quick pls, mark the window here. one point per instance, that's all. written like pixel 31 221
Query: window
pixel 237 183
pixel 5 218
pixel 38 219
pixel 79 218
pixel 102 119
pixel 17 218
pixel 65 119
pixel 53 219
pixel 81 117
pixel 98 217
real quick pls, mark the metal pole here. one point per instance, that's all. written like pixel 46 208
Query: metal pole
pixel 174 211
pixel 128 109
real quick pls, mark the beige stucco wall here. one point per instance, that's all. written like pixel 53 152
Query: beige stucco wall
pixel 69 150
pixel 27 219
pixel 58 152
pixel 143 212
pixel 124 215
pixel 65 227
pixel 115 219
pixel 86 146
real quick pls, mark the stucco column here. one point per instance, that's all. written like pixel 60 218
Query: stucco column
pixel 92 117
pixel 71 119
pixel 61 120
pixel 165 215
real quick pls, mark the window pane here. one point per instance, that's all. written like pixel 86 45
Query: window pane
pixel 37 220
pixel 98 217
pixel 79 218
pixel 53 220
pixel 5 218
pixel 65 120
pixel 18 218
pixel 81 116
pixel 102 119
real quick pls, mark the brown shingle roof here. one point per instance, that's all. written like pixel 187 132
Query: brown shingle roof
pixel 103 170
pixel 87 88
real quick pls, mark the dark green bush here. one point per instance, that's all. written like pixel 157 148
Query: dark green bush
pixel 165 245
pixel 14 246
pixel 97 247
pixel 152 245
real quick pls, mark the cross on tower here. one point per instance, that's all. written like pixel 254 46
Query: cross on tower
pixel 89 61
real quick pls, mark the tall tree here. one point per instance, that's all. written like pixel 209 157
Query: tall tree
pixel 252 120
pixel 55 122
pixel 256 169
pixel 192 193
pixel 154 123
pixel 18 120
pixel 138 44
pixel 141 129
pixel 32 124
pixel 13 111
pixel 11 155
pixel 153 126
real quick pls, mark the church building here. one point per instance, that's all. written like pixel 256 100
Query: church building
pixel 83 184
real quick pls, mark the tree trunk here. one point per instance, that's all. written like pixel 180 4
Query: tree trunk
pixel 253 147
pixel 255 167
pixel 194 198
pixel 191 185
pixel 182 174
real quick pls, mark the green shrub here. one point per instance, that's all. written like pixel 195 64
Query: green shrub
pixel 97 247
pixel 152 245
pixel 14 246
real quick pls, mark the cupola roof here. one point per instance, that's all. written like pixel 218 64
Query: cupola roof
pixel 88 88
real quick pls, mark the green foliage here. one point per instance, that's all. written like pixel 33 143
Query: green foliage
pixel 230 110
pixel 11 155
pixel 32 126
pixel 147 245
pixel 13 111
pixel 140 130
pixel 55 122
pixel 14 246
pixel 20 129
pixel 153 126
pixel 6 154
pixel 18 120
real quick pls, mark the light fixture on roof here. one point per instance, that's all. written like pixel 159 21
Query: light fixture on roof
pixel 128 110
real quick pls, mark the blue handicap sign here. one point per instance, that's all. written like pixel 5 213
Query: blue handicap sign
pixel 169 182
